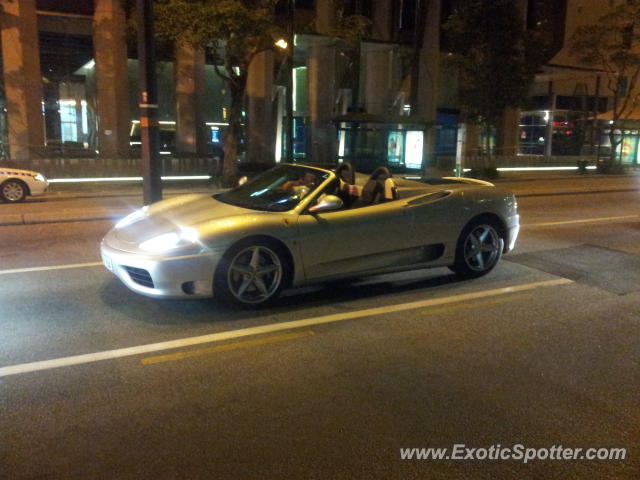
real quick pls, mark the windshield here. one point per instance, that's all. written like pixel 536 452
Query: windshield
pixel 276 190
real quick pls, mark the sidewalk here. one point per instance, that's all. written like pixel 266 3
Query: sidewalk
pixel 533 184
pixel 90 201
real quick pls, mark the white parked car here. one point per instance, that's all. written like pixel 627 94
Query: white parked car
pixel 16 184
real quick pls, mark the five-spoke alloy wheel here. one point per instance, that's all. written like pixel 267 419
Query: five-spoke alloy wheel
pixel 13 191
pixel 251 274
pixel 479 248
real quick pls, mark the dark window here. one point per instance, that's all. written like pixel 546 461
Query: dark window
pixel 623 85
pixel 358 7
pixel 82 7
pixel 405 20
pixel 306 4
pixel 548 18
pixel 407 15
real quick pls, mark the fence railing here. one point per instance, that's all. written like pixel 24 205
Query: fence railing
pixel 479 162
pixel 127 167
pixel 115 167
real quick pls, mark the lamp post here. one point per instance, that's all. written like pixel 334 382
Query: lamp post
pixel 151 181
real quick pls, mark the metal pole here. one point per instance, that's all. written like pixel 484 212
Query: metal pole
pixel 596 124
pixel 151 182
pixel 288 131
pixel 548 140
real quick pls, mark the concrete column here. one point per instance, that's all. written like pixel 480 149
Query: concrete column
pixel 22 78
pixel 509 129
pixel 472 140
pixel 382 18
pixel 322 89
pixel 381 83
pixel 52 113
pixel 429 71
pixel 325 16
pixel 190 84
pixel 261 119
pixel 111 78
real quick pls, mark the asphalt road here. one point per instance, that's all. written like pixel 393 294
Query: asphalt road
pixel 543 351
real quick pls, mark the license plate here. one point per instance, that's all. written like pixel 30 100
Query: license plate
pixel 107 263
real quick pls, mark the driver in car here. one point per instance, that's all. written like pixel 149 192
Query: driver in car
pixel 302 186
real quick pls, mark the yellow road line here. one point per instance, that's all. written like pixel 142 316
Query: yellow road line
pixel 226 347
pixel 307 333
pixel 467 305
pixel 583 220
pixel 268 328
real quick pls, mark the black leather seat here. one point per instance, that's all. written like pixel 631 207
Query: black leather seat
pixel 347 177
pixel 379 188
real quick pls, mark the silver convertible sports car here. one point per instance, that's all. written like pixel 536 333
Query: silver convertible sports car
pixel 296 224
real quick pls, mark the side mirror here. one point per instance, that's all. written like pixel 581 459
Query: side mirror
pixel 326 204
pixel 242 180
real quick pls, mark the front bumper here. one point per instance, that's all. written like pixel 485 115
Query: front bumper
pixel 188 276
pixel 513 228
pixel 38 188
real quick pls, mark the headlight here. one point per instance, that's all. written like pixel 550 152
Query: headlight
pixel 39 177
pixel 132 217
pixel 170 241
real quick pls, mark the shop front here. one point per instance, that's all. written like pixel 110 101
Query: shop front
pixel 371 142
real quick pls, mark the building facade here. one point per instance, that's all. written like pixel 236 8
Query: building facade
pixel 70 89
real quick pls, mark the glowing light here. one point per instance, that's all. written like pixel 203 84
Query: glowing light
pixel 539 169
pixel 132 217
pixel 126 179
pixel 414 147
pixel 171 240
pixel 534 169
pixel 282 43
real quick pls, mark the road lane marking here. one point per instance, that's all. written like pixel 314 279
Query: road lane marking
pixel 226 347
pixel 54 267
pixel 274 327
pixel 584 220
pixel 455 307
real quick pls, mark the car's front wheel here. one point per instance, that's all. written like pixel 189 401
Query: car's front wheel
pixel 13 191
pixel 478 250
pixel 251 274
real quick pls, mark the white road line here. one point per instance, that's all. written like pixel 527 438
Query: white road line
pixel 583 220
pixel 275 327
pixel 54 267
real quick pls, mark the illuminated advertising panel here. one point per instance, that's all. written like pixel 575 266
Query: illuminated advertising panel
pixel 414 146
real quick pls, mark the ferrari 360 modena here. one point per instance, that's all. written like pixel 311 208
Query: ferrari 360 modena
pixel 297 224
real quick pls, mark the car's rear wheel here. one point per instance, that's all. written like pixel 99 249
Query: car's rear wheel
pixel 478 250
pixel 13 191
pixel 251 274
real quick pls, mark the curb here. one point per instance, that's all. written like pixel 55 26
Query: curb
pixel 577 192
pixel 58 217
pixel 16 219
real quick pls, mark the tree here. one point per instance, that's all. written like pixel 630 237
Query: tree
pixel 612 45
pixel 233 32
pixel 495 59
